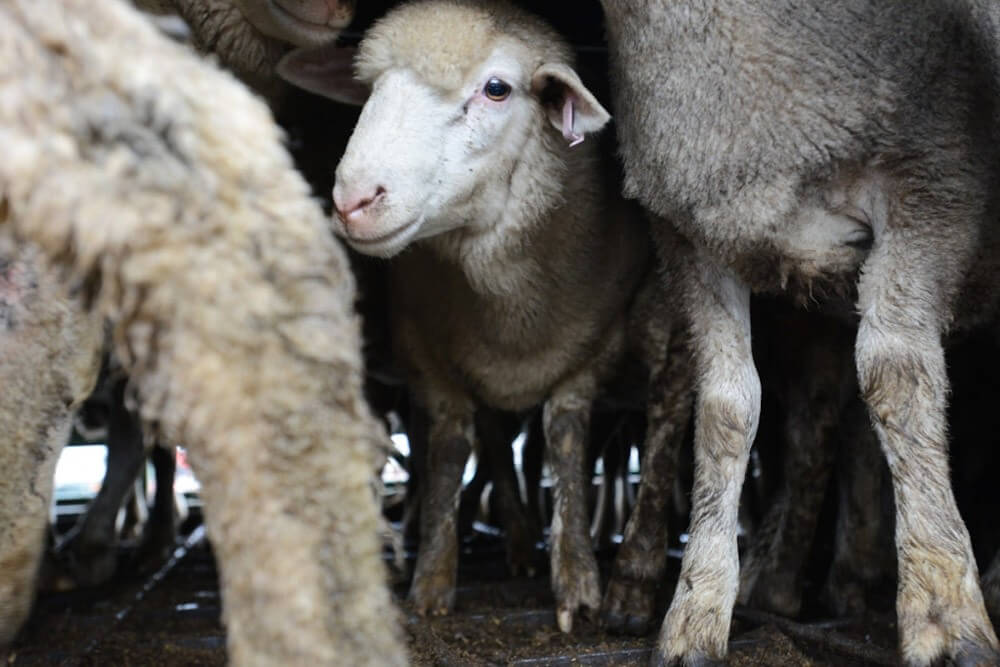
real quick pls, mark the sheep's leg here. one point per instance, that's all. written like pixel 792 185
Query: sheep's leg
pixel 696 628
pixel 29 467
pixel 770 577
pixel 450 442
pixel 566 421
pixel 991 589
pixel 901 370
pixel 92 548
pixel 863 529
pixel 641 561
pixel 495 437
pixel 160 536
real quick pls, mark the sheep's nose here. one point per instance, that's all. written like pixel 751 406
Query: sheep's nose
pixel 354 206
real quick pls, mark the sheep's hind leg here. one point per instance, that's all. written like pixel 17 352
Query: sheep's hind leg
pixel 450 442
pixel 575 581
pixel 902 375
pixel 696 628
pixel 641 562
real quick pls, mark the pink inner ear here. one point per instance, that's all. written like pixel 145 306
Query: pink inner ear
pixel 569 117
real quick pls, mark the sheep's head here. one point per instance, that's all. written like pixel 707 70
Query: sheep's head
pixel 461 95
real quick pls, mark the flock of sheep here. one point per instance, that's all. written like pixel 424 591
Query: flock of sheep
pixel 844 156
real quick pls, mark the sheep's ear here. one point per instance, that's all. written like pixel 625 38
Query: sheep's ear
pixel 572 109
pixel 326 70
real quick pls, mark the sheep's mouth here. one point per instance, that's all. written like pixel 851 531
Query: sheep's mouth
pixel 384 238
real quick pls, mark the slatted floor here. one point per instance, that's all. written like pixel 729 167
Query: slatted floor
pixel 172 618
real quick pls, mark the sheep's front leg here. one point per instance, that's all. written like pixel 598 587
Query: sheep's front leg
pixel 902 375
pixel 566 421
pixel 450 442
pixel 696 628
pixel 642 558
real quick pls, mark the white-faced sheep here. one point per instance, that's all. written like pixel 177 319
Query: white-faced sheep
pixel 520 266
pixel 814 149
pixel 50 353
pixel 159 184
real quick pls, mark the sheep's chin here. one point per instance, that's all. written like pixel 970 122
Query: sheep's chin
pixel 389 244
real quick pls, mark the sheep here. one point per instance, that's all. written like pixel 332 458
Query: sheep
pixel 49 359
pixel 160 187
pixel 827 152
pixel 519 264
pixel 250 36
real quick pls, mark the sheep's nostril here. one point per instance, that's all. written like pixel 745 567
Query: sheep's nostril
pixel 352 207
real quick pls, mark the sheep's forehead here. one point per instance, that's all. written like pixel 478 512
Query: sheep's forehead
pixel 444 43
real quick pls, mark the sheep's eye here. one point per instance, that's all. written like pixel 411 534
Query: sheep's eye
pixel 497 90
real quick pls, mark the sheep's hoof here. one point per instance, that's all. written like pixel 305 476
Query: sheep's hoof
pixel 577 591
pixel 696 628
pixel 432 596
pixel 628 606
pixel 89 564
pixel 959 636
pixel 969 654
